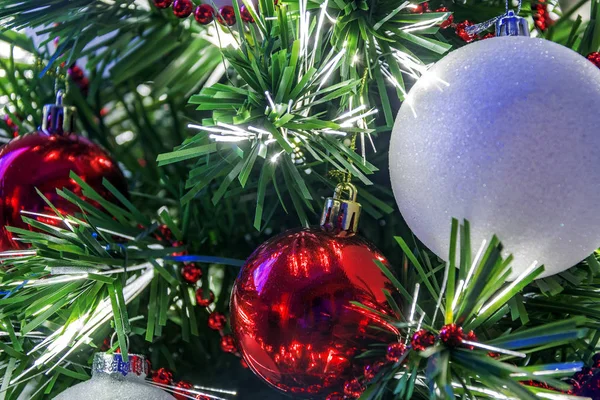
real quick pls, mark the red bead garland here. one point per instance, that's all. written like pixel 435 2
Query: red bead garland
pixel 216 321
pixel 228 344
pixel 226 16
pixel 541 17
pixel 204 14
pixel 163 3
pixel 451 335
pixel 370 370
pixel 246 16
pixel 421 8
pixel 183 8
pixel 191 273
pixel 395 351
pixel 335 396
pixel 594 58
pixel 163 376
pixel 353 389
pixel 201 301
pixel 182 394
pixel 448 21
pixel 422 339
pixel 462 33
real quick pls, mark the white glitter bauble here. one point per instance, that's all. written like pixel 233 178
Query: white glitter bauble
pixel 107 388
pixel 113 378
pixel 504 132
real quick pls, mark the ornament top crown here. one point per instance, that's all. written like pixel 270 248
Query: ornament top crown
pixel 340 216
pixel 136 365
pixel 58 119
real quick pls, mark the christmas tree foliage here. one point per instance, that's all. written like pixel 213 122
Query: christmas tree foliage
pixel 232 122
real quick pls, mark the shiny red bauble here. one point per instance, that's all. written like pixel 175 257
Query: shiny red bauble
pixel 162 3
pixel 44 161
pixel 292 316
pixel 183 8
pixel 226 15
pixel 204 14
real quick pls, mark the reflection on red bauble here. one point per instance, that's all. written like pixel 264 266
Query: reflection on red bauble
pixel 44 161
pixel 292 316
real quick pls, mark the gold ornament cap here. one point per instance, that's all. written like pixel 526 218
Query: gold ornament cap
pixel 340 216
pixel 59 119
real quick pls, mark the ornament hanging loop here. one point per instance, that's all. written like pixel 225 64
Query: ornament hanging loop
pixel 341 212
pixel 58 119
pixel 507 24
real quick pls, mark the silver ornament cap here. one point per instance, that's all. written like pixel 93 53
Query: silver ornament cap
pixel 512 25
pixel 58 118
pixel 340 216
pixel 135 366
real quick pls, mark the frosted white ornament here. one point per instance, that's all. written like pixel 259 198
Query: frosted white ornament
pixel 504 132
pixel 112 378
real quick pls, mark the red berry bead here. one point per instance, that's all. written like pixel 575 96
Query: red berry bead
pixel 183 8
pixel 201 301
pixel 228 344
pixel 422 339
pixel 451 335
pixel 204 14
pixel 191 273
pixel 595 58
pixel 448 20
pixel 181 390
pixel 226 16
pixel 353 389
pixel 202 397
pixel 583 375
pixel 471 337
pixel 421 8
pixel 462 32
pixel 371 370
pixel 335 396
pixel 488 36
pixel 246 16
pixel 163 3
pixel 395 351
pixel 162 375
pixel 216 321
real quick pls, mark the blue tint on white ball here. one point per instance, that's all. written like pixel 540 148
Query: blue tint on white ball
pixel 504 132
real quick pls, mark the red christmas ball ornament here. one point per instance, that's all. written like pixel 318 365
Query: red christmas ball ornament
pixel 395 351
pixel 44 160
pixel 448 20
pixel 191 273
pixel 353 389
pixel 451 335
pixel 422 339
pixel 228 344
pixel 204 14
pixel 183 8
pixel 461 31
pixel 201 301
pixel 162 3
pixel 217 321
pixel 181 390
pixel 245 14
pixel 226 15
pixel 595 58
pixel 163 376
pixel 291 310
